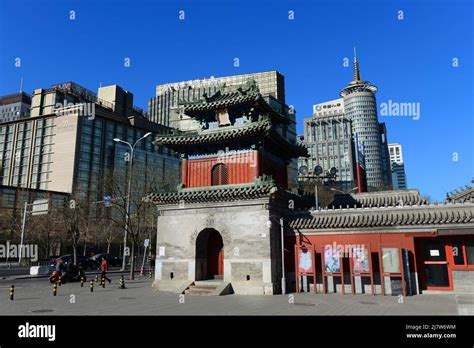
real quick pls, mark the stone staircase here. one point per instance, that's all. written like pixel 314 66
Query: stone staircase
pixel 208 288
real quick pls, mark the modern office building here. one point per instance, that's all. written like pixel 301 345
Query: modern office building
pixel 165 107
pixel 361 108
pixel 385 155
pixel 399 178
pixel 328 138
pixel 14 106
pixel 396 154
pixel 67 145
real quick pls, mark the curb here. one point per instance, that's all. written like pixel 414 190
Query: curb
pixel 22 277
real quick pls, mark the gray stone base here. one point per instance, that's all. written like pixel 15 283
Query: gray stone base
pixel 252 288
pixel 176 286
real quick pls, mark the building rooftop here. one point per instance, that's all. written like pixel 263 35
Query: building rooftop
pixel 399 216
pixel 15 98
pixel 378 199
pixel 461 195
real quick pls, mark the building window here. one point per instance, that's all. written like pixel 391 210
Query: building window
pixel 219 174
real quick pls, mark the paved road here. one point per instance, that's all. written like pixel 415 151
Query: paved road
pixel 34 297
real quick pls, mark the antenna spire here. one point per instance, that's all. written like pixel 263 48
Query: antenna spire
pixel 356 68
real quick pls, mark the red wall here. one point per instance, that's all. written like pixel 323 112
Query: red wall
pixel 372 240
pixel 242 168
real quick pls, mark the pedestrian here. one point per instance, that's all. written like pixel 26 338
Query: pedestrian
pixel 103 268
pixel 59 265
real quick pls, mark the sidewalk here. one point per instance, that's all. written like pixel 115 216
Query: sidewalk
pixel 33 297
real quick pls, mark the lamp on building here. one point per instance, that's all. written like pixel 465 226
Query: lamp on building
pixel 129 184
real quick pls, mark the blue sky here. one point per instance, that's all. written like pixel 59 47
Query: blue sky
pixel 409 60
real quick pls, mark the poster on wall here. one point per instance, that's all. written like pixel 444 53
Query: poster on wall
pixel 360 257
pixel 305 261
pixel 332 261
pixel 391 260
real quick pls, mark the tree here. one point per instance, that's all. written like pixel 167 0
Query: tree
pixel 141 213
pixel 74 215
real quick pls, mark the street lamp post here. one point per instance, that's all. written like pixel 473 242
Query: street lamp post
pixel 129 184
pixel 318 176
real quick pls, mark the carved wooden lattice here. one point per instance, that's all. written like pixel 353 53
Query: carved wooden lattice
pixel 219 174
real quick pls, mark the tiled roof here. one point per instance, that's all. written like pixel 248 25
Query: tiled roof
pixel 218 135
pixel 416 215
pixel 263 186
pixel 213 193
pixel 462 195
pixel 262 129
pixel 378 199
pixel 222 101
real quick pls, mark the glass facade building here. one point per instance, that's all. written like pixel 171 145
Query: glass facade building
pixel 328 137
pixel 75 153
pixel 361 108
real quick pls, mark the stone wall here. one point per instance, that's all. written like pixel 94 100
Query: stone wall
pixel 463 281
pixel 246 237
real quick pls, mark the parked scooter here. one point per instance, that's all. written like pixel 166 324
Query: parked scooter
pixel 72 274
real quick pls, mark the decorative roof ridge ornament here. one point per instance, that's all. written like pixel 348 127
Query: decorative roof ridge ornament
pixel 264 180
pixel 251 85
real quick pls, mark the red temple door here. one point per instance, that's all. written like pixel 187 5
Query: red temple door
pixel 215 255
pixel 220 266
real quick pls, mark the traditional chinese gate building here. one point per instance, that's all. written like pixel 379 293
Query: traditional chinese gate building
pixel 220 229
pixel 436 241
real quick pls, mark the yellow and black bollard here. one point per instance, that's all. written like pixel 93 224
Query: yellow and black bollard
pixel 60 280
pixel 55 289
pixel 91 285
pixel 12 292
pixel 102 282
pixel 122 282
pixel 82 281
pixel 96 277
pixel 150 274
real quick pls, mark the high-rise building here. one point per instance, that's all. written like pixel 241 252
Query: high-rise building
pixel 328 138
pixel 14 106
pixel 386 166
pixel 361 108
pixel 67 145
pixel 396 154
pixel 399 177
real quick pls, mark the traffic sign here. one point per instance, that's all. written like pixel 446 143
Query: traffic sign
pixel 40 207
pixel 146 243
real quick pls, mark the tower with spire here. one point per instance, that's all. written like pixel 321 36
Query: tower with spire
pixel 360 107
